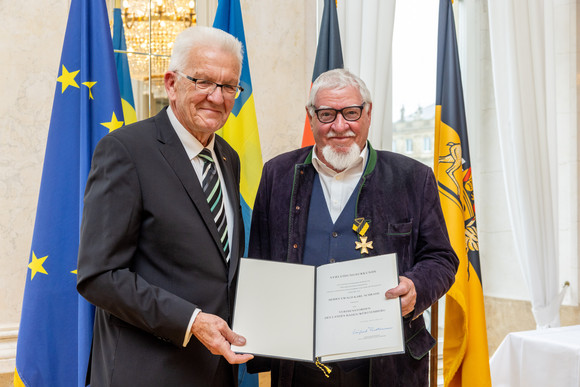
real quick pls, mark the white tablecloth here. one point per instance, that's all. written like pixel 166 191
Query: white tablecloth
pixel 543 358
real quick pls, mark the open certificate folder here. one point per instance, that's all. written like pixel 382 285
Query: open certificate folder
pixel 333 312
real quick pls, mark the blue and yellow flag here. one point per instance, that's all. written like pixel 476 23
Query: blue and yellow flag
pixel 122 64
pixel 465 352
pixel 241 128
pixel 56 323
pixel 241 132
pixel 328 54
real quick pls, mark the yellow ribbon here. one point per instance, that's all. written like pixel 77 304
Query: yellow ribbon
pixel 326 370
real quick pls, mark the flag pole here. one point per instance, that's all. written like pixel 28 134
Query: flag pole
pixel 433 360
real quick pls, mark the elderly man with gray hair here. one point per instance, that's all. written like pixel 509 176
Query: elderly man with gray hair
pixel 307 203
pixel 162 230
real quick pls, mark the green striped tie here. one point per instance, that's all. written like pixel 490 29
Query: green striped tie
pixel 211 188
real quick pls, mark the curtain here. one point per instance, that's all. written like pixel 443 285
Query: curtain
pixel 366 30
pixel 523 37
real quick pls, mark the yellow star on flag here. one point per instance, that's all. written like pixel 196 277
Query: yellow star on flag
pixel 36 266
pixel 364 245
pixel 74 271
pixel 90 85
pixel 113 124
pixel 67 79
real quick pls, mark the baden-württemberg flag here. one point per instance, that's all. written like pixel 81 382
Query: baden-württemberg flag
pixel 328 54
pixel 465 353
pixel 122 64
pixel 56 324
pixel 241 132
pixel 241 128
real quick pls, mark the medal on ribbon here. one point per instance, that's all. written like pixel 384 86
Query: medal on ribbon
pixel 360 227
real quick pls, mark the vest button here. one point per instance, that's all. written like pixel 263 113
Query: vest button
pixel 334 234
pixel 331 260
pixel 295 246
pixel 297 208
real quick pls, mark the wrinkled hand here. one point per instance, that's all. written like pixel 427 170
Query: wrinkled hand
pixel 214 333
pixel 405 290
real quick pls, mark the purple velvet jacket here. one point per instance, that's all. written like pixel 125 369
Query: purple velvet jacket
pixel 400 199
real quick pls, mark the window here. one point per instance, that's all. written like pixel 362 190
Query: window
pixel 409 145
pixel 427 144
pixel 414 60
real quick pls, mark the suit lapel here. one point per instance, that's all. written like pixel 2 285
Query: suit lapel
pixel 173 151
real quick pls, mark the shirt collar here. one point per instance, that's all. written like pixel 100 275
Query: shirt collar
pixel 191 144
pixel 356 167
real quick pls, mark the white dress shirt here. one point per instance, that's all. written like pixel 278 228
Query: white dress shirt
pixel 339 186
pixel 193 147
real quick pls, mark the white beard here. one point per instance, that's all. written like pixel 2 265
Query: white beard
pixel 341 160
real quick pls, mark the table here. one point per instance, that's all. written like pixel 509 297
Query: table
pixel 543 358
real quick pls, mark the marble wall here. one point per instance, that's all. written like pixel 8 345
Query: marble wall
pixel 31 40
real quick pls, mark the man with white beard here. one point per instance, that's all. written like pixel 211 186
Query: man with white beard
pixel 342 200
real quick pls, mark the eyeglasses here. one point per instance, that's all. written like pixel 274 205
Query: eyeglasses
pixel 349 113
pixel 208 87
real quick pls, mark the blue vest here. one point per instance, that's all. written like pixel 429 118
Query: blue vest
pixel 328 242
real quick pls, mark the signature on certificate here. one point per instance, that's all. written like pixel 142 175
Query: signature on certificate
pixel 362 331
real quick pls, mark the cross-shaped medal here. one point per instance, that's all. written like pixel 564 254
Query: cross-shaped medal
pixel 364 245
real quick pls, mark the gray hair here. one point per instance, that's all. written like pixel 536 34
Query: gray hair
pixel 337 79
pixel 199 36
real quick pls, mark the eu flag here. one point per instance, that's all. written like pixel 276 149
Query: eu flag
pixel 465 353
pixel 56 324
pixel 241 132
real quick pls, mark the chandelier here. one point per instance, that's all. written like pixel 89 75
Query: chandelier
pixel 150 30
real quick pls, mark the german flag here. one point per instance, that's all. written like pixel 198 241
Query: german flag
pixel 465 351
pixel 328 55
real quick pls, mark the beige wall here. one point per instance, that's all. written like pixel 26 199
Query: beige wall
pixel 31 41
pixel 281 38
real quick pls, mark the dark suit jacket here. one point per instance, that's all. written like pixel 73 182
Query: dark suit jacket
pixel 399 198
pixel 150 254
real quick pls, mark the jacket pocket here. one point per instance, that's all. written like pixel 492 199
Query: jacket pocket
pixel 418 340
pixel 398 240
pixel 400 229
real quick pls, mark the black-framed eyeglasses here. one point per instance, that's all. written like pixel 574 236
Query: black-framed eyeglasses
pixel 349 113
pixel 208 87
